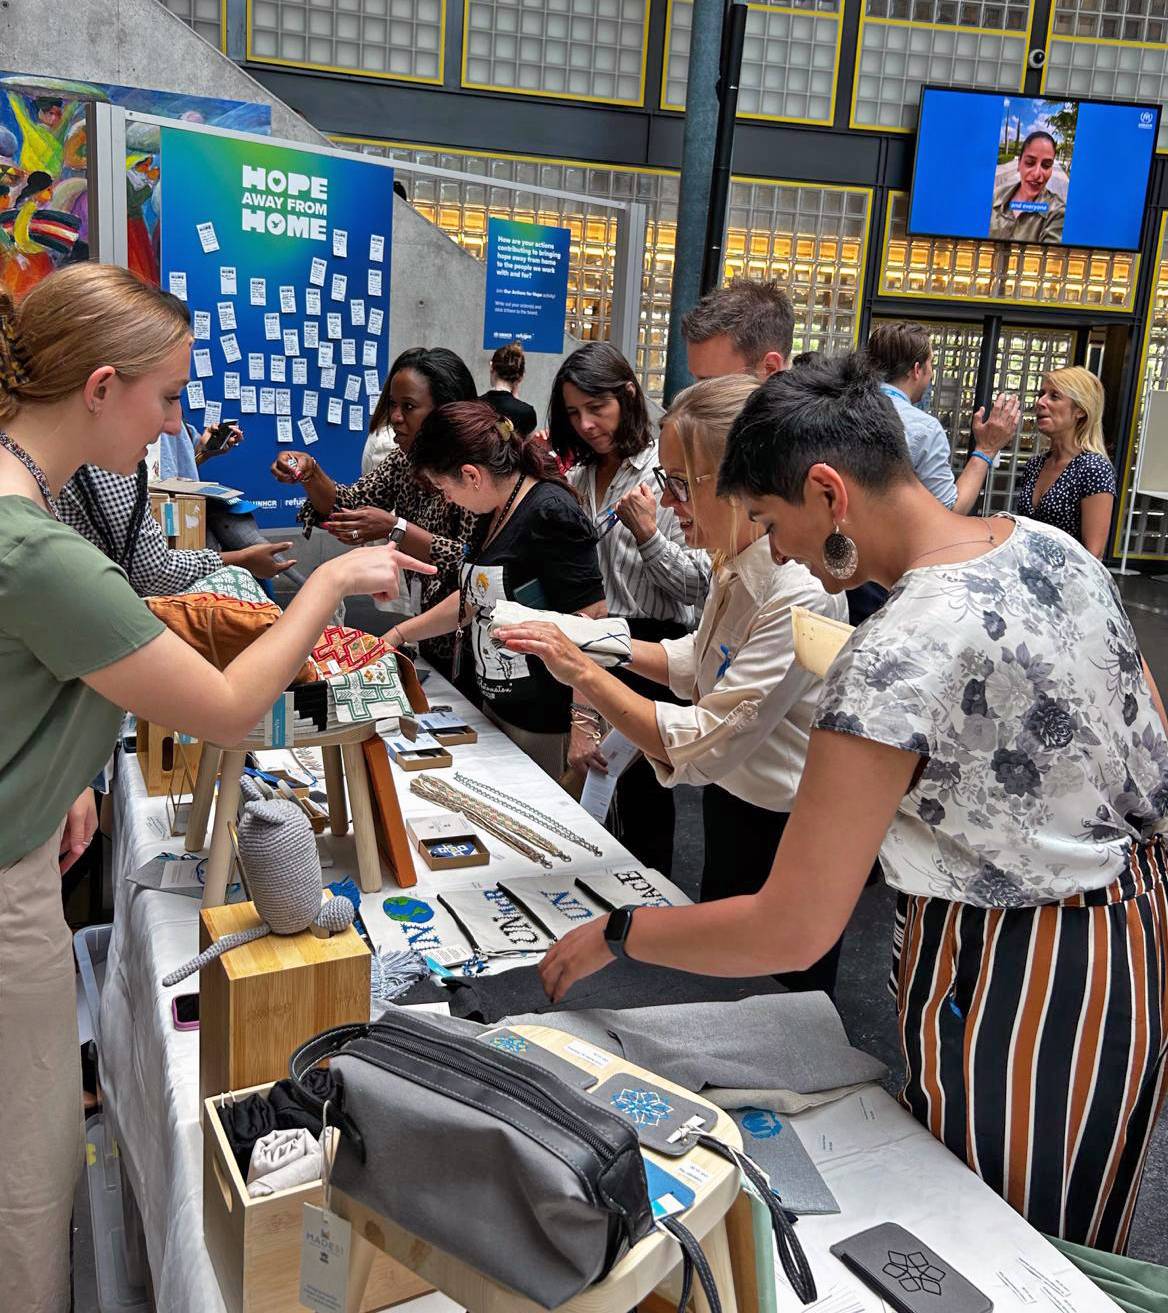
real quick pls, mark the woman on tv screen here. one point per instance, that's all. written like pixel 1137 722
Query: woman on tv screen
pixel 1025 209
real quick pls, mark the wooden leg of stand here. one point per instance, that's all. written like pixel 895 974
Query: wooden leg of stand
pixel 368 858
pixel 203 797
pixel 219 863
pixel 361 1256
pixel 717 1250
pixel 740 1236
pixel 334 785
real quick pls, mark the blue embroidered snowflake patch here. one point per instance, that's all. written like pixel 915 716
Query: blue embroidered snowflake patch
pixel 509 1043
pixel 642 1106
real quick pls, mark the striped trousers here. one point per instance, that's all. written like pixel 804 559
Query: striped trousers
pixel 1036 1040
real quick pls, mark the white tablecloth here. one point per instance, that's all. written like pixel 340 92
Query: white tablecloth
pixel 880 1164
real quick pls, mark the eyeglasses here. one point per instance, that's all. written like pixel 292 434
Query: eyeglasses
pixel 675 485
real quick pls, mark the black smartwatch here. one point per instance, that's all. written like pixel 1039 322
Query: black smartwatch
pixel 616 930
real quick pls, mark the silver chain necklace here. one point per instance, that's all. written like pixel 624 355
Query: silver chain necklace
pixel 526 809
pixel 10 444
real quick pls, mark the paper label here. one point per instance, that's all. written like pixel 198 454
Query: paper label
pixel 258 291
pixel 340 242
pixel 690 1171
pixel 279 369
pixel 287 299
pixel 227 316
pixel 594 1057
pixel 178 284
pixel 207 239
pixel 377 247
pixel 324 1260
pixel 316 272
pixel 183 875
pixel 312 300
pixel 227 280
pixel 202 325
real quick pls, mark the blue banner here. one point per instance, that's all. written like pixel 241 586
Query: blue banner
pixel 527 285
pixel 283 257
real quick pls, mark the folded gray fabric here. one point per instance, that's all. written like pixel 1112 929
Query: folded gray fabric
pixel 283 1159
pixel 769 1042
pixel 775 1146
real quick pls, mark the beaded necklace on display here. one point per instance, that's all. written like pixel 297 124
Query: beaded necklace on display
pixel 10 444
pixel 526 809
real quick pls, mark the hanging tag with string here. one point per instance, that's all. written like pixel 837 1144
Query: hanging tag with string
pixel 326 1241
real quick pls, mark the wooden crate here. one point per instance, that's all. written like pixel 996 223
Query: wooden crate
pixel 183 519
pixel 254 1244
pixel 259 1002
pixel 162 758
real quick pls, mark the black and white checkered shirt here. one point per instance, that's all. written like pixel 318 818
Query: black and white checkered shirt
pixel 155 570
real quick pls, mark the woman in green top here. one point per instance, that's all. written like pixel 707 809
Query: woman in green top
pixel 92 368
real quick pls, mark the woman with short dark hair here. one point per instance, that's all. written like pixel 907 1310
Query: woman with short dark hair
pixel 599 423
pixel 995 735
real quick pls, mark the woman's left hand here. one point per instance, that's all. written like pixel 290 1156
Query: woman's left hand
pixel 637 511
pixel 80 827
pixel 365 524
pixel 541 639
pixel 580 953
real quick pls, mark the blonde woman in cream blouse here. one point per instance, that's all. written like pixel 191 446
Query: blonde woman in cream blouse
pixel 744 733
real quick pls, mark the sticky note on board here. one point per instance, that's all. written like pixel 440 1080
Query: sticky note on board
pixel 255 364
pixel 372 383
pixel 287 299
pixel 300 371
pixel 230 386
pixel 201 325
pixel 328 378
pixel 272 327
pixel 202 359
pixel 312 300
pixel 356 419
pixel 352 388
pixel 278 369
pixel 258 289
pixel 283 401
pixel 340 286
pixel 357 312
pixel 308 432
pixel 309 401
pixel 369 353
pixel 311 335
pixel 334 325
pixel 226 316
pixel 348 351
pixel 377 247
pixel 335 410
pixel 324 355
pixel 247 400
pixel 291 342
pixel 229 345
pixel 227 280
pixel 195 397
pixel 373 282
pixel 267 401
pixel 283 428
pixel 316 271
pixel 178 284
pixel 212 414
pixel 207 239
pixel 340 242
pixel 376 320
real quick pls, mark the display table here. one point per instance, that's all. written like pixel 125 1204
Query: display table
pixel 880 1164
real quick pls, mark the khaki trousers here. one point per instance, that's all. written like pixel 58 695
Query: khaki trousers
pixel 40 1074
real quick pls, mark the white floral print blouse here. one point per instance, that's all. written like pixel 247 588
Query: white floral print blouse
pixel 1018 679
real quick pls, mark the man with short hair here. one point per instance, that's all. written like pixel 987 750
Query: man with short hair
pixel 745 327
pixel 901 355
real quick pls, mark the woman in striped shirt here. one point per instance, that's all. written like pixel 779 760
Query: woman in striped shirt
pixel 599 423
pixel 994 732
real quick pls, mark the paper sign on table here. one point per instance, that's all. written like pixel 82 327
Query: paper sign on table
pixel 195 395
pixel 352 388
pixel 202 359
pixel 308 432
pixel 373 282
pixel 207 239
pixel 230 386
pixel 356 419
pixel 178 284
pixel 267 401
pixel 377 247
pixel 291 342
pixel 335 410
pixel 255 364
pixel 287 299
pixel 283 428
pixel 348 351
pixel 279 369
pixel 202 325
pixel 340 286
pixel 312 300
pixel 369 353
pixel 309 401
pixel 311 334
pixel 230 347
pixel 376 319
pixel 340 242
pixel 316 271
pixel 212 414
pixel 283 401
pixel 300 371
pixel 259 291
pixel 247 400
pixel 227 316
pixel 227 280
pixel 183 875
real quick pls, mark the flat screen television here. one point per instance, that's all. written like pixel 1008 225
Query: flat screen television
pixel 1012 168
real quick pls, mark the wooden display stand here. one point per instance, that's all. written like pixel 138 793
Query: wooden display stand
pixel 716 1217
pixel 254 1244
pixel 164 760
pixel 258 1003
pixel 183 519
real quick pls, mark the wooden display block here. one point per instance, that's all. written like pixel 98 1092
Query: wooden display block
pixel 258 1003
pixel 254 1244
pixel 183 518
pixel 168 765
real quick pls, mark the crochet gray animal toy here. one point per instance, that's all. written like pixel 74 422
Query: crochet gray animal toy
pixel 278 852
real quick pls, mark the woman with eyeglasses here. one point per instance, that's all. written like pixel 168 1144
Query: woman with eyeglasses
pixel 599 423
pixel 742 731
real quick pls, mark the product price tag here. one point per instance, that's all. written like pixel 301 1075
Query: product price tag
pixel 594 1057
pixel 324 1260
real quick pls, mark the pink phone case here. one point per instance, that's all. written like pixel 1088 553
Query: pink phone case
pixel 182 1025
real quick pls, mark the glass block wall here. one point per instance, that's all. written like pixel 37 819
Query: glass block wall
pixel 205 16
pixel 378 38
pixel 788 64
pixel 578 49
pixel 1149 536
pixel 977 43
pixel 961 269
pixel 1132 65
pixel 812 238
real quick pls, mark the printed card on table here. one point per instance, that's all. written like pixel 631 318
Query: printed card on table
pixel 283 429
pixel 317 271
pixel 202 359
pixel 312 300
pixel 373 282
pixel 352 388
pixel 230 386
pixel 356 419
pixel 339 287
pixel 369 353
pixel 267 401
pixel 311 334
pixel 259 291
pixel 272 327
pixel 227 280
pixel 255 365
pixel 334 325
pixel 300 371
pixel 283 401
pixel 207 239
pixel 291 342
pixel 308 432
pixel 212 414
pixel 377 247
pixel 279 369
pixel 357 312
pixel 308 403
pixel 178 284
pixel 376 319
pixel 335 410
pixel 340 242
pixel 348 351
pixel 201 325
pixel 247 400
pixel 226 316
pixel 328 378
pixel 229 344
pixel 287 299
pixel 195 398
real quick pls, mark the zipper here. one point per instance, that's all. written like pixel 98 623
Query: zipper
pixel 519 1087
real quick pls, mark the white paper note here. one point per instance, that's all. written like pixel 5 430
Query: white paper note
pixel 336 409
pixel 207 239
pixel 212 414
pixel 202 359
pixel 229 344
pixel 598 788
pixel 340 242
pixel 356 419
pixel 308 432
pixel 247 400
pixel 377 247
pixel 227 280
pixel 230 386
pixel 287 299
pixel 279 369
pixel 259 291
pixel 255 365
pixel 376 319
pixel 300 371
pixel 352 388
pixel 267 401
pixel 311 334
pixel 195 399
pixel 372 383
pixel 283 401
pixel 291 342
pixel 373 282
pixel 308 403
pixel 348 351
pixel 324 355
pixel 328 378
pixel 178 284
pixel 312 300
pixel 316 271
pixel 283 428
pixel 202 325
pixel 357 312
pixel 272 327
pixel 340 286
pixel 334 325
pixel 369 353
pixel 227 316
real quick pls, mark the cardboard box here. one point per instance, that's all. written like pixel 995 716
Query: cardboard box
pixel 441 724
pixel 422 753
pixel 447 842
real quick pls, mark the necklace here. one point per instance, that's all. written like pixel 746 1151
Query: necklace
pixel 464 588
pixel 495 822
pixel 10 444
pixel 526 809
pixel 949 547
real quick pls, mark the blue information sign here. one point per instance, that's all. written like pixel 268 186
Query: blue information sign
pixel 527 285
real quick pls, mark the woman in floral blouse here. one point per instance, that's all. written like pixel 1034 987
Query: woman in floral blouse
pixel 995 734
pixel 389 499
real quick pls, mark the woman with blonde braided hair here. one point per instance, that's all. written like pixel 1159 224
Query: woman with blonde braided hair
pixel 92 367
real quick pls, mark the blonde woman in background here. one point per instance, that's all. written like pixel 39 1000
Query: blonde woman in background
pixel 92 368
pixel 743 730
pixel 1071 482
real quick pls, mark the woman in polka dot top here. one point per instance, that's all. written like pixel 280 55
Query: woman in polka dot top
pixel 1071 483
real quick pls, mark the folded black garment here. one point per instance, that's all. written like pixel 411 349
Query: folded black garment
pixel 311 701
pixel 290 1114
pixel 244 1123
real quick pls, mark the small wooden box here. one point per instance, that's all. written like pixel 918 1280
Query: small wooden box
pixel 190 523
pixel 432 833
pixel 254 1244
pixel 168 764
pixel 421 754
pixel 259 1002
pixel 441 724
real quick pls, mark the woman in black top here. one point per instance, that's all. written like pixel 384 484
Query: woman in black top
pixel 533 545
pixel 508 365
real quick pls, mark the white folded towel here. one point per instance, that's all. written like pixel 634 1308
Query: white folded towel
pixel 607 641
pixel 283 1159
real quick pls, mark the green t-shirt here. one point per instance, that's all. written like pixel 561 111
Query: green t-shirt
pixel 65 611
